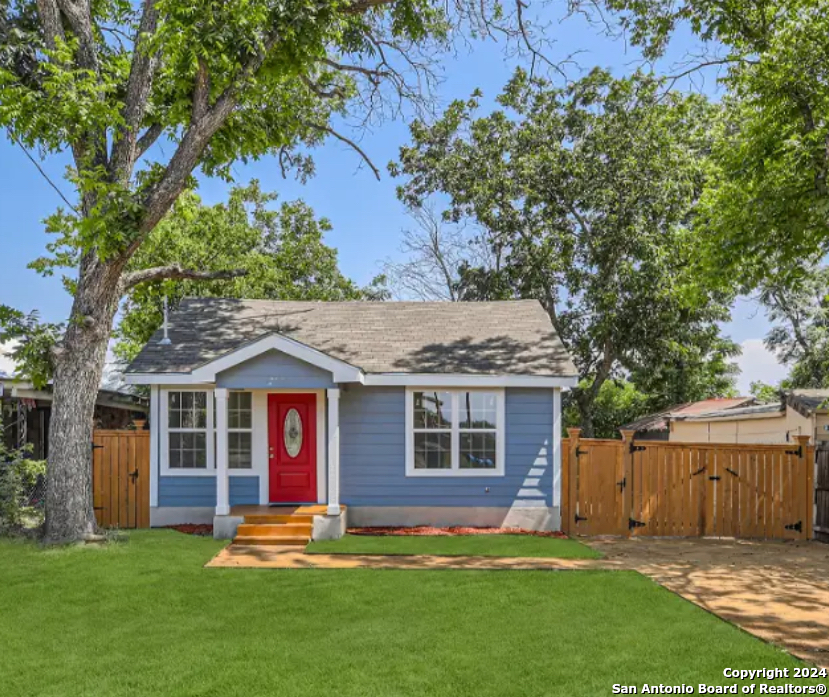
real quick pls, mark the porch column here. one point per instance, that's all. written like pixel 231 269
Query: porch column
pixel 222 483
pixel 333 451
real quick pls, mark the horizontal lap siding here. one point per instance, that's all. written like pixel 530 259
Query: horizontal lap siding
pixel 373 455
pixel 275 370
pixel 201 491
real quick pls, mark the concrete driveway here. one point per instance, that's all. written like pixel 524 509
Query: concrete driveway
pixel 778 591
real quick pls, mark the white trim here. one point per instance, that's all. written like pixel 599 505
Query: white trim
pixel 460 380
pixel 155 423
pixel 383 379
pixel 322 460
pixel 456 471
pixel 333 451
pixel 556 443
pixel 222 480
pixel 164 436
pixel 342 371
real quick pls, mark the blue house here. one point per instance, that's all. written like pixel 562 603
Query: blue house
pixel 370 413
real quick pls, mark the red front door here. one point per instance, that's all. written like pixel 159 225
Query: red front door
pixel 292 447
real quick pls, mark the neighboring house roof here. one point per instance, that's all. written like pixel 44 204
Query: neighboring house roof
pixel 807 402
pixel 659 421
pixel 472 338
pixel 113 389
pixel 750 412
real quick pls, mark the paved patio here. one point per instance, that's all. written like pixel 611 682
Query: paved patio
pixel 778 591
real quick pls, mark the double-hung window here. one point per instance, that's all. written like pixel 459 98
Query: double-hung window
pixel 240 430
pixel 454 432
pixel 187 430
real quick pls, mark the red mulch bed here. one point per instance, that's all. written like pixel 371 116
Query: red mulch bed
pixel 426 530
pixel 191 529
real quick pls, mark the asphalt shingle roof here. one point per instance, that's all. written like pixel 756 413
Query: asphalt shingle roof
pixel 483 338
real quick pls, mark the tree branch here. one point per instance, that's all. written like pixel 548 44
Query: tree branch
pixel 349 142
pixel 125 150
pixel 145 142
pixel 176 272
pixel 201 93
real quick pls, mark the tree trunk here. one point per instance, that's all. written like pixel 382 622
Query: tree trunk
pixel 79 364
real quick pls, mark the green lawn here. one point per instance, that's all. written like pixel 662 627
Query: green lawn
pixel 144 618
pixel 475 545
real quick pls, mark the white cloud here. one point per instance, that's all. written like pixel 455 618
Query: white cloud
pixel 6 363
pixel 758 364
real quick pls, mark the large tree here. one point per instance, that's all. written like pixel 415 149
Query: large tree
pixel 588 191
pixel 765 208
pixel 281 251
pixel 216 82
pixel 799 338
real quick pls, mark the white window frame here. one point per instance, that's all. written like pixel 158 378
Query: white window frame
pixel 456 471
pixel 236 471
pixel 166 470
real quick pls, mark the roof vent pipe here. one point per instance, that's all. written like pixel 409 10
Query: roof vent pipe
pixel 166 340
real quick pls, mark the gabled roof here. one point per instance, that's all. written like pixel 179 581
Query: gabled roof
pixel 807 402
pixel 474 338
pixel 754 411
pixel 659 421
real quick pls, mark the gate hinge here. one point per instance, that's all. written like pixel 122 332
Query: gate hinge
pixel 796 526
pixel 715 477
pixel 636 448
pixel 635 524
pixel 580 452
pixel 622 484
pixel 579 518
pixel 798 452
pixel 96 447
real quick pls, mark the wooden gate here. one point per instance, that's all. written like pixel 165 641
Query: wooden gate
pixel 121 478
pixel 664 489
pixel 822 493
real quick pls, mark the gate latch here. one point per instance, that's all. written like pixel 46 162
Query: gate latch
pixel 699 471
pixel 636 448
pixel 715 477
pixel 134 476
pixel 622 484
pixel 580 452
pixel 579 518
pixel 731 471
pixel 635 524
pixel 798 452
pixel 795 526
pixel 95 446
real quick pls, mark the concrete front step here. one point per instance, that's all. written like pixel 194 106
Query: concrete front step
pixel 298 540
pixel 265 530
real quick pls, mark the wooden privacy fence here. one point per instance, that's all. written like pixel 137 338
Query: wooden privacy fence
pixel 822 493
pixel 121 478
pixel 665 489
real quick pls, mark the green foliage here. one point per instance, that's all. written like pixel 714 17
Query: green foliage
pixel 765 208
pixel 764 393
pixel 799 311
pixel 34 342
pixel 588 194
pixel 618 402
pixel 18 475
pixel 282 251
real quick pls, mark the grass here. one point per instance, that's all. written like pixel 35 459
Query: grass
pixel 458 545
pixel 144 618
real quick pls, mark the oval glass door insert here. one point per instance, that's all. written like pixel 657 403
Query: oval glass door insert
pixel 292 433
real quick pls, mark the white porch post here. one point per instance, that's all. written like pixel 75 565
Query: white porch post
pixel 333 451
pixel 222 483
pixel 557 450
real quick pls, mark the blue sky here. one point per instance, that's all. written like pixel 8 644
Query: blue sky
pixel 365 213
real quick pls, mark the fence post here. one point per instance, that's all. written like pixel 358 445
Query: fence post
pixel 807 458
pixel 572 480
pixel 627 469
